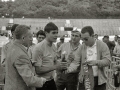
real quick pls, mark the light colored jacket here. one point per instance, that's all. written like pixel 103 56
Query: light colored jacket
pixel 103 60
pixel 20 74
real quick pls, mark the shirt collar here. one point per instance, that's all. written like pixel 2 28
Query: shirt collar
pixel 47 42
pixel 75 47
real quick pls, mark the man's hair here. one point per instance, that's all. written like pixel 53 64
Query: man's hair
pixel 50 27
pixel 96 35
pixel 87 29
pixel 76 31
pixel 21 30
pixel 40 32
pixel 106 36
pixel 118 37
pixel 14 27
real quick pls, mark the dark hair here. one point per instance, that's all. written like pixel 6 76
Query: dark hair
pixel 96 35
pixel 21 30
pixel 76 31
pixel 106 36
pixel 118 37
pixel 88 29
pixel 50 26
pixel 40 32
pixel 14 27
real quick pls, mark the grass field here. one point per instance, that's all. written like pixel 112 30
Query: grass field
pixel 101 26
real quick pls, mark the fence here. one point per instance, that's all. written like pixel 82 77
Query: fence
pixel 110 72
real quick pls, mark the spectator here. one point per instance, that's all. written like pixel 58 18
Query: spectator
pixel 116 50
pixel 61 42
pixel 4 52
pixel 6 47
pixel 45 57
pixel 109 43
pixel 69 80
pixel 20 74
pixel 115 40
pixel 40 36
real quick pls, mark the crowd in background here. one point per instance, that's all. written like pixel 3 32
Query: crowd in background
pixel 68 65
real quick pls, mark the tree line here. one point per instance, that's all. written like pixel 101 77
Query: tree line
pixel 60 9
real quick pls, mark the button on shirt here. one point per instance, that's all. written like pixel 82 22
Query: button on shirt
pixel 45 56
pixel 92 55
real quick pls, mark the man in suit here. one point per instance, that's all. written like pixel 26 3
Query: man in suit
pixel 20 74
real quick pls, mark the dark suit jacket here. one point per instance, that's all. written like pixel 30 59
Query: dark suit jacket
pixel 20 74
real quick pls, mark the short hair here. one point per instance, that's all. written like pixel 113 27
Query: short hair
pixel 40 32
pixel 76 31
pixel 118 37
pixel 106 36
pixel 50 27
pixel 88 29
pixel 20 31
pixel 14 27
pixel 96 35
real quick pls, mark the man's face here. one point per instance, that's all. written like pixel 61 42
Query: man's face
pixel 87 39
pixel 40 38
pixel 105 40
pixel 52 35
pixel 28 39
pixel 75 37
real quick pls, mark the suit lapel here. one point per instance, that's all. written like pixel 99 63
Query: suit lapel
pixel 23 48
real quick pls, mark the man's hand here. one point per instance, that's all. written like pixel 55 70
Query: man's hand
pixel 43 80
pixel 91 63
pixel 61 66
pixel 71 57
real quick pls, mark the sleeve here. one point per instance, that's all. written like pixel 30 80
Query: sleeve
pixel 75 63
pixel 22 64
pixel 37 56
pixel 105 56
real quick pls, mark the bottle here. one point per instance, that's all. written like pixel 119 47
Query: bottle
pixel 63 58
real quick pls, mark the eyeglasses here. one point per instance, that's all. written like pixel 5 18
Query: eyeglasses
pixel 85 39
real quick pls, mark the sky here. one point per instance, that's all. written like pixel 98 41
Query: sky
pixel 7 0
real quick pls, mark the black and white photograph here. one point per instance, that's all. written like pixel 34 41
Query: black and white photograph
pixel 59 44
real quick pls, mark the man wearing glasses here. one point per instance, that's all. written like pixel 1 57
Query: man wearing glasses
pixel 93 57
pixel 67 79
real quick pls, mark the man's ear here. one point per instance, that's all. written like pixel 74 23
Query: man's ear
pixel 23 38
pixel 92 35
pixel 46 33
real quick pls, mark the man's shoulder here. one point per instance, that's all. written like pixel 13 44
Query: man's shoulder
pixel 40 45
